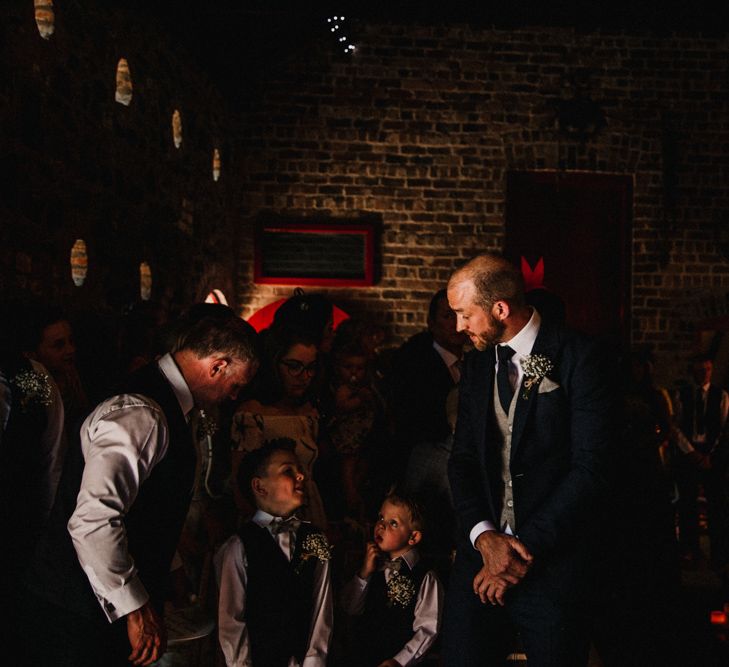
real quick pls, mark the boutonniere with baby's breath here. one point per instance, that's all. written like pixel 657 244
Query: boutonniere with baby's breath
pixel 536 367
pixel 34 389
pixel 400 590
pixel 207 427
pixel 317 546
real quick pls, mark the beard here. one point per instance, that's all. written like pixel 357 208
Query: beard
pixel 490 336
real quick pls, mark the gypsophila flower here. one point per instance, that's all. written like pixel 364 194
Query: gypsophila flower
pixel 33 388
pixel 317 546
pixel 400 590
pixel 536 367
pixel 207 426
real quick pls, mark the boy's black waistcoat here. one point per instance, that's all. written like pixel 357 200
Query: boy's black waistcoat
pixel 384 628
pixel 153 523
pixel 279 597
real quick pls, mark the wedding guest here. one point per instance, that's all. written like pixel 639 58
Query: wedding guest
pixel 397 599
pixel 355 422
pixel 275 605
pixel 48 338
pixel 282 406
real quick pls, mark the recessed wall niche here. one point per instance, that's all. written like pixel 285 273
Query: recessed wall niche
pixel 177 128
pixel 45 18
pixel 216 164
pixel 79 262
pixel 123 93
pixel 145 281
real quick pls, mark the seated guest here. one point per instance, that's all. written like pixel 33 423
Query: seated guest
pixel 282 407
pixel 275 606
pixel 397 598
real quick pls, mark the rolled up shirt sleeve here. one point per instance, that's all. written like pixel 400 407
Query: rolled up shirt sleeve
pixel 121 441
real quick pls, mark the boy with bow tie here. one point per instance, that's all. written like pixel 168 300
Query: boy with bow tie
pixel 399 602
pixel 275 607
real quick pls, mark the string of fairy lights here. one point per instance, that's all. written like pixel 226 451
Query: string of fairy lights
pixel 336 23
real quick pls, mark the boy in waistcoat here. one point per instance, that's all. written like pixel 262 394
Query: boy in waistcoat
pixel 397 599
pixel 275 607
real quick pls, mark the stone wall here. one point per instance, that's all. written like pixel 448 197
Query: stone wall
pixel 420 126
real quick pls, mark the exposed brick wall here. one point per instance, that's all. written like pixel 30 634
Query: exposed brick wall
pixel 420 127
pixel 76 164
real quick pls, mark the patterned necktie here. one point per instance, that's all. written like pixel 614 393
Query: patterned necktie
pixel 506 392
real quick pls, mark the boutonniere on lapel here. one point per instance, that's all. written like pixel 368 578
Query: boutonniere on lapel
pixel 317 546
pixel 400 590
pixel 34 390
pixel 536 367
pixel 207 427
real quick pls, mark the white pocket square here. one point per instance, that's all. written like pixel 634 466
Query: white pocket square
pixel 547 385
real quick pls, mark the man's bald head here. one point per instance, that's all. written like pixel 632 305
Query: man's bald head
pixel 494 279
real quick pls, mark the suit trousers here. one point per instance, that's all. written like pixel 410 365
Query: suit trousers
pixel 553 631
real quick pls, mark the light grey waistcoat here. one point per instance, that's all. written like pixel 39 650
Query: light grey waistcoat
pixel 504 424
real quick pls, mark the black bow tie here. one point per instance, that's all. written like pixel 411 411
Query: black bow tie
pixel 279 525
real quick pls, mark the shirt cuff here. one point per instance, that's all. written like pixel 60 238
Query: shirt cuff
pixel 479 528
pixel 124 600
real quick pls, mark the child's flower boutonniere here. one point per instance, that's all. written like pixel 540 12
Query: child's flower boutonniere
pixel 317 546
pixel 536 368
pixel 34 389
pixel 400 590
pixel 206 427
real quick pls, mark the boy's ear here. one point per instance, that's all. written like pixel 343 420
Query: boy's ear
pixel 258 487
pixel 415 537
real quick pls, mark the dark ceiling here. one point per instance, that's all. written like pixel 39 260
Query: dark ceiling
pixel 236 42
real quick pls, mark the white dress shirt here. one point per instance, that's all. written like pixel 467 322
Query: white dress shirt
pixel 522 345
pixel 231 567
pixel 428 610
pixel 452 361
pixel 121 441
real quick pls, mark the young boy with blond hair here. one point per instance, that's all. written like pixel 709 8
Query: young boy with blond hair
pixel 275 607
pixel 397 599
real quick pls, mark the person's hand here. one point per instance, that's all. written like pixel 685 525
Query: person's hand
pixel 147 635
pixel 489 587
pixel 504 556
pixel 369 565
pixel 390 662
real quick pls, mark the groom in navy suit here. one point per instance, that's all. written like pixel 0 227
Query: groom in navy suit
pixel 528 475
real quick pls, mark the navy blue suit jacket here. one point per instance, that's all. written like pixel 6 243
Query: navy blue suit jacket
pixel 560 453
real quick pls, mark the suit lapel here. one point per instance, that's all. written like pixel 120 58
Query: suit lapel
pixel 547 344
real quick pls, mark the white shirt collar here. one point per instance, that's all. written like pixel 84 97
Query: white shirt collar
pixel 411 557
pixel 448 357
pixel 523 342
pixel 174 376
pixel 264 519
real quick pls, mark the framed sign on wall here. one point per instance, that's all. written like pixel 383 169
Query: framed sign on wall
pixel 331 254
